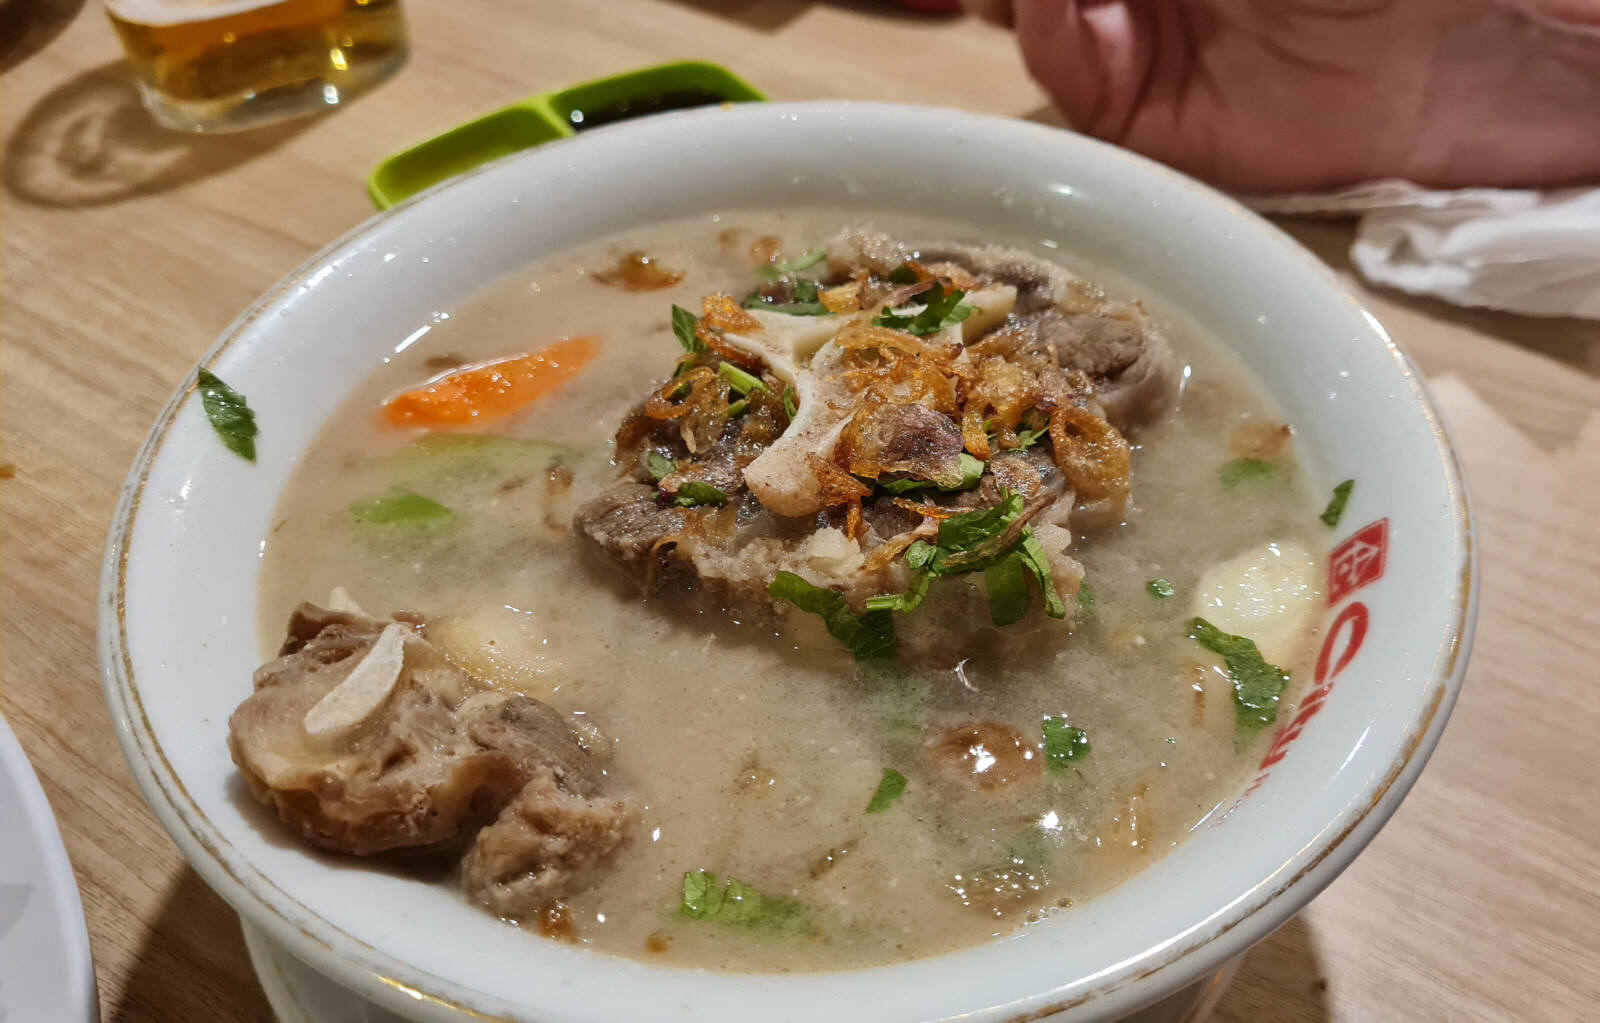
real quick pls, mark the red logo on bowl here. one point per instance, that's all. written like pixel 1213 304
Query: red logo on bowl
pixel 1356 617
pixel 1358 561
pixel 1353 564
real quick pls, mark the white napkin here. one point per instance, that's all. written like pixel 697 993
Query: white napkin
pixel 1515 249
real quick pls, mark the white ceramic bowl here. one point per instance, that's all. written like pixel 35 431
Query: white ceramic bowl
pixel 178 639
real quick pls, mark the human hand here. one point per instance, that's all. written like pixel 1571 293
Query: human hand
pixel 1269 95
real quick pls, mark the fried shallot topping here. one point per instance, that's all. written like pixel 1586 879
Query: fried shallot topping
pixel 1090 452
pixel 985 755
pixel 637 271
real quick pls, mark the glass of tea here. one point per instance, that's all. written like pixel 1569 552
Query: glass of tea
pixel 224 65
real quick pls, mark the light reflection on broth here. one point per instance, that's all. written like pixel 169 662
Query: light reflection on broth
pixel 753 751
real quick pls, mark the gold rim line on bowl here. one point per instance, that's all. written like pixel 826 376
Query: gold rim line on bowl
pixel 121 684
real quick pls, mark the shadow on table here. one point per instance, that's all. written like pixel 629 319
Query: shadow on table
pixel 1280 980
pixel 30 25
pixel 191 964
pixel 90 143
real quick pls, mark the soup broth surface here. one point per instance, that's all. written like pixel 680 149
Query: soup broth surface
pixel 754 755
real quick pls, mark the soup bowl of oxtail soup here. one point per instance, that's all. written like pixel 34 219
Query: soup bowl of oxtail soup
pixel 823 561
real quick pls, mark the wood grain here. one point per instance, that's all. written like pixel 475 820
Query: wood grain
pixel 127 249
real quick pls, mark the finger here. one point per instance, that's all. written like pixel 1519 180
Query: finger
pixel 1091 57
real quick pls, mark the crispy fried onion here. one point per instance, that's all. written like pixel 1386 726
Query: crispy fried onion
pixel 663 404
pixel 891 548
pixel 896 376
pixel 973 436
pixel 951 275
pixel 703 410
pixel 901 437
pixel 637 271
pixel 722 313
pixel 897 367
pixel 846 298
pixel 927 511
pixel 1001 392
pixel 854 525
pixel 835 486
pixel 1090 453
pixel 857 336
pixel 838 488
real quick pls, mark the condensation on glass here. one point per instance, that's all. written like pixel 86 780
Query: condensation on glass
pixel 224 65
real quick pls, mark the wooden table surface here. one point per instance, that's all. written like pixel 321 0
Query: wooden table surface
pixel 128 248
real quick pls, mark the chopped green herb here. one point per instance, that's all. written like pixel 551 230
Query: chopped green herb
pixel 401 509
pixel 1256 684
pixel 683 324
pixel 777 270
pixel 1007 583
pixel 969 541
pixel 700 892
pixel 921 554
pixel 1063 744
pixel 737 408
pixel 691 494
pixel 660 466
pixel 230 415
pixel 869 636
pixel 889 789
pixel 903 274
pixel 789 406
pixel 971 473
pixel 740 381
pixel 1341 496
pixel 736 904
pixel 1035 560
pixel 943 309
pixel 905 602
pixel 1085 599
pixel 695 493
pixel 978 541
pixel 1028 438
pixel 1160 588
pixel 803 302
pixel 1245 470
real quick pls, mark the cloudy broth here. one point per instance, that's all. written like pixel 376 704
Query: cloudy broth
pixel 752 754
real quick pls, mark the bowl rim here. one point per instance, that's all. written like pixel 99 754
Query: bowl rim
pixel 419 994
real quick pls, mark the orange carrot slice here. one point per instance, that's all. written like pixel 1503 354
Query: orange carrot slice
pixel 492 390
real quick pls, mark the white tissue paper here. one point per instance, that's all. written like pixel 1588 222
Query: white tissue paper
pixel 1520 250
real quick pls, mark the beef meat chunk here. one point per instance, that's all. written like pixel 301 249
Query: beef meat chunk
pixel 627 522
pixel 550 840
pixel 425 761
pixel 1040 360
pixel 1136 377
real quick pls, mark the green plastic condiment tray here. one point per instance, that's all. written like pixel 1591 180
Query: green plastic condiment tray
pixel 559 114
